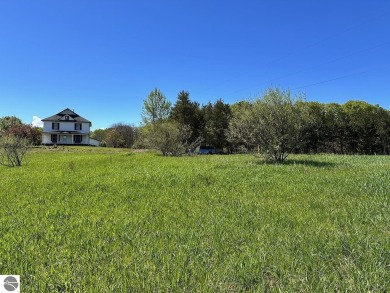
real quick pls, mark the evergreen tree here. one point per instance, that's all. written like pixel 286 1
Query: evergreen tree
pixel 216 119
pixel 186 113
pixel 220 119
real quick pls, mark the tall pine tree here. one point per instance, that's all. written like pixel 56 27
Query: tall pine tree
pixel 187 114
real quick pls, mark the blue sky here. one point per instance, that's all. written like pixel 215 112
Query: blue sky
pixel 102 58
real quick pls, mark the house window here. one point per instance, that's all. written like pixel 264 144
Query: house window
pixel 77 138
pixel 66 117
pixel 77 126
pixel 55 126
pixel 54 138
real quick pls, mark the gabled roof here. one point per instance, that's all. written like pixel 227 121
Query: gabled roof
pixel 76 117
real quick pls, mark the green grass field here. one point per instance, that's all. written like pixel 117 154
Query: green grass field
pixel 108 220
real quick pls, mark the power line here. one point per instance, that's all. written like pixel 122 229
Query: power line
pixel 329 80
pixel 331 61
pixel 334 60
pixel 320 42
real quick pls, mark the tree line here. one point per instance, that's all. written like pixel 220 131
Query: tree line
pixel 185 125
pixel 172 129
pixel 274 124
pixel 355 127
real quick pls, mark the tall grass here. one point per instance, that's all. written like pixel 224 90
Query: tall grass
pixel 105 220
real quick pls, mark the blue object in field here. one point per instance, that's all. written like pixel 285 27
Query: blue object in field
pixel 207 150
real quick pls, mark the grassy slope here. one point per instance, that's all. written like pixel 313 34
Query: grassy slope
pixel 99 220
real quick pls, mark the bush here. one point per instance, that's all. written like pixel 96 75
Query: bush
pixel 169 137
pixel 13 150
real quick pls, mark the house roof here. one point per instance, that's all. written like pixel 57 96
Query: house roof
pixel 76 117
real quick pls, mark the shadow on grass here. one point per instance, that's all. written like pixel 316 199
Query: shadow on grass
pixel 299 162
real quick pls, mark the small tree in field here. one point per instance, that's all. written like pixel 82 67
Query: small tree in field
pixel 279 122
pixel 273 123
pixel 156 107
pixel 169 137
pixel 12 150
pixel 15 140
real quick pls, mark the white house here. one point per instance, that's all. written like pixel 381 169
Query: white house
pixel 67 128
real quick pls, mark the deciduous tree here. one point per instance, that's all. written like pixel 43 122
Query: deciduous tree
pixel 7 122
pixel 169 137
pixel 273 122
pixel 13 150
pixel 156 107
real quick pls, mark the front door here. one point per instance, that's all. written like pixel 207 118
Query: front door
pixel 54 138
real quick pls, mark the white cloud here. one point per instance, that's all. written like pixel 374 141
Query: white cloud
pixel 37 122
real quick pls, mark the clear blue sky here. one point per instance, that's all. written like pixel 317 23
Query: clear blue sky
pixel 102 58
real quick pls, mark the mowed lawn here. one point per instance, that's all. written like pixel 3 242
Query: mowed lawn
pixel 108 220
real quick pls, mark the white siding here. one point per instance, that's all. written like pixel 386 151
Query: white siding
pixel 85 128
pixel 69 118
pixel 94 142
pixel 65 126
pixel 46 139
pixel 47 126
pixel 85 139
pixel 65 139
